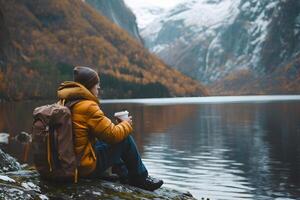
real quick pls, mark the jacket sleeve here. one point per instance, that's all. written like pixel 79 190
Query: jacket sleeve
pixel 102 127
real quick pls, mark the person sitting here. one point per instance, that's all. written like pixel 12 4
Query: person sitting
pixel 101 143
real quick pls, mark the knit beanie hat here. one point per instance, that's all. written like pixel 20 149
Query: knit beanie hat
pixel 86 76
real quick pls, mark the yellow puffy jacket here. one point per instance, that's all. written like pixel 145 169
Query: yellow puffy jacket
pixel 90 124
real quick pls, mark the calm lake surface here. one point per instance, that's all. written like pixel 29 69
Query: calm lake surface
pixel 217 148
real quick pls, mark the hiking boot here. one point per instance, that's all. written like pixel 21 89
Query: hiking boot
pixel 148 183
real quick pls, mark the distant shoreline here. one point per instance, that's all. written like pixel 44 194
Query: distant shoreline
pixel 206 100
pixel 184 100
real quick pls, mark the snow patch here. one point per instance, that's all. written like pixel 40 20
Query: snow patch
pixel 297 25
pixel 43 197
pixel 147 11
pixel 159 48
pixel 246 6
pixel 202 13
pixel 30 186
pixel 259 29
pixel 7 179
pixel 97 193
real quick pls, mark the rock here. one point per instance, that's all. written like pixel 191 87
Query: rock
pixel 27 184
pixel 4 138
pixel 7 179
pixel 8 163
pixel 8 192
pixel 117 12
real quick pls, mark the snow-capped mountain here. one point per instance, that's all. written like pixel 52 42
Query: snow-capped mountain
pixel 190 37
pixel 211 39
pixel 148 10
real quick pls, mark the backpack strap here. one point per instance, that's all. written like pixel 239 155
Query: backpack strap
pixel 70 104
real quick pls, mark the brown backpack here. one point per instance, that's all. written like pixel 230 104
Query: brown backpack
pixel 53 142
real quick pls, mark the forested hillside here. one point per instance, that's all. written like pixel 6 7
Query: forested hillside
pixel 41 42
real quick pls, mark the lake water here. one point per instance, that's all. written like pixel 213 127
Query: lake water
pixel 217 148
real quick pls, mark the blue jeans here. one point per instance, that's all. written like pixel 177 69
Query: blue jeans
pixel 124 152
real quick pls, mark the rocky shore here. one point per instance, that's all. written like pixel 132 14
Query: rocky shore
pixel 22 182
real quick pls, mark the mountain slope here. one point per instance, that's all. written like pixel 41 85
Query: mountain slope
pixel 47 38
pixel 119 13
pixel 186 37
pixel 148 10
pixel 215 40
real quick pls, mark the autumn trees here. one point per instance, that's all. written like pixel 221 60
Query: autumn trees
pixel 49 38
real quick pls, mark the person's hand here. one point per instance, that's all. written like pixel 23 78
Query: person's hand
pixel 129 120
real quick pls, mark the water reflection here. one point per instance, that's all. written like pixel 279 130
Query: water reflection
pixel 266 141
pixel 150 120
pixel 219 151
pixel 223 151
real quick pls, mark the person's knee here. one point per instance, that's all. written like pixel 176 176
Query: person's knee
pixel 129 141
pixel 130 138
pixel 126 141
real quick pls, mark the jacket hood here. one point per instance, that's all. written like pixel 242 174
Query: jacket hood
pixel 70 90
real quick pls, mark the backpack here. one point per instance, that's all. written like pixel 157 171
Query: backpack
pixel 53 142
